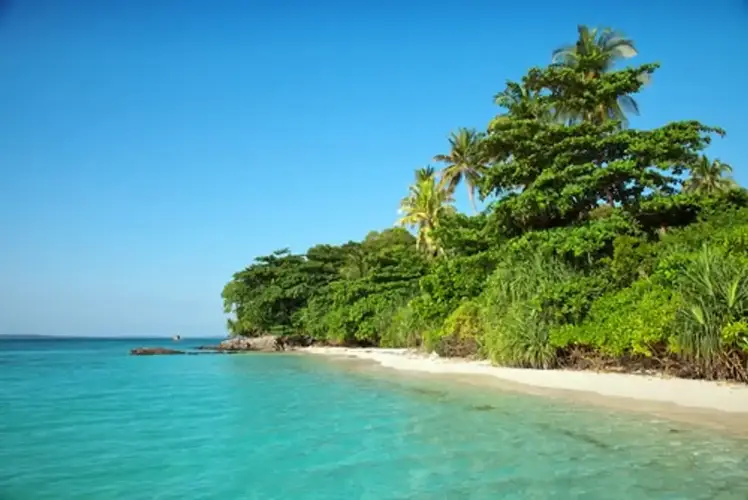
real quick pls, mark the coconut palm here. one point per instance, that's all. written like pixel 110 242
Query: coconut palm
pixel 519 102
pixel 709 177
pixel 595 52
pixel 464 162
pixel 427 202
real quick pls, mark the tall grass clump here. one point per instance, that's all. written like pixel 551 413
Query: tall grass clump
pixel 713 322
pixel 406 328
pixel 518 311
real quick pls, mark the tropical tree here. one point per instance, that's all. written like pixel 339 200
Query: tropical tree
pixel 549 175
pixel 355 265
pixel 709 177
pixel 464 162
pixel 424 207
pixel 595 52
pixel 519 102
pixel 356 309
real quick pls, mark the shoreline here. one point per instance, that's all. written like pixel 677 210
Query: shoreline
pixel 717 403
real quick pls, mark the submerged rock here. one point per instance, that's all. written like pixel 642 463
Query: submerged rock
pixel 152 351
pixel 157 351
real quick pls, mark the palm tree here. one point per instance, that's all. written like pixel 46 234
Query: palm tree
pixel 595 52
pixel 519 102
pixel 463 162
pixel 709 177
pixel 427 202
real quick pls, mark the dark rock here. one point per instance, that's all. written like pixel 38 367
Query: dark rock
pixel 152 351
pixel 297 340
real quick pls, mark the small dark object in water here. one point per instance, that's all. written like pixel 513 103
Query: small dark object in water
pixel 208 348
pixel 483 407
pixel 152 351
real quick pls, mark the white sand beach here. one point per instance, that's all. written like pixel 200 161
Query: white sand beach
pixel 690 394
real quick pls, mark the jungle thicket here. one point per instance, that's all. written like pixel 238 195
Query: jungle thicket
pixel 600 245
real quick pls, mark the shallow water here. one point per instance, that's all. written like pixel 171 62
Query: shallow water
pixel 80 419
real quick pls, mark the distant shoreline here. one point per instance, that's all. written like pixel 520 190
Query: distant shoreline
pixel 715 403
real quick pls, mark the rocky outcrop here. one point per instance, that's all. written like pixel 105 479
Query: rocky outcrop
pixel 266 343
pixel 153 351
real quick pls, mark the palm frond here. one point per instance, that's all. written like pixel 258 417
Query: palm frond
pixel 628 104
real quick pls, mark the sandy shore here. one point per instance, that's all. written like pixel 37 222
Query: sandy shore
pixel 691 394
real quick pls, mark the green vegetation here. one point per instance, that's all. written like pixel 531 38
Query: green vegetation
pixel 600 245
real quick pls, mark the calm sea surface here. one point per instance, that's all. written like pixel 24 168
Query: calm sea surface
pixel 81 419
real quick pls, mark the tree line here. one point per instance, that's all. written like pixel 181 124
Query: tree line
pixel 600 245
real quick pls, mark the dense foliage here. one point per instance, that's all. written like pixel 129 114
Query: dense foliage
pixel 600 244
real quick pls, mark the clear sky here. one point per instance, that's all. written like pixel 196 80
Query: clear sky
pixel 151 148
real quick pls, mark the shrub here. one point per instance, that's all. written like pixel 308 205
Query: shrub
pixel 520 302
pixel 633 259
pixel 520 338
pixel 449 282
pixel 459 335
pixel 580 244
pixel 632 321
pixel 405 329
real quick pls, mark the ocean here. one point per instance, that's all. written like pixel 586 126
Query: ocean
pixel 82 419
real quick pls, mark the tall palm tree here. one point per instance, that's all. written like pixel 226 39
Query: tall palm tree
pixel 427 202
pixel 464 162
pixel 595 52
pixel 709 177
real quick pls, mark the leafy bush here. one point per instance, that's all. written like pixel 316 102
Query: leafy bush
pixel 581 243
pixel 635 320
pixel 633 259
pixel 726 231
pixel 449 282
pixel 460 334
pixel 405 329
pixel 569 297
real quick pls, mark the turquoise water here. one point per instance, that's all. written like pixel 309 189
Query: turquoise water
pixel 80 419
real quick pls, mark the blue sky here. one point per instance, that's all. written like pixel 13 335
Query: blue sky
pixel 149 149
